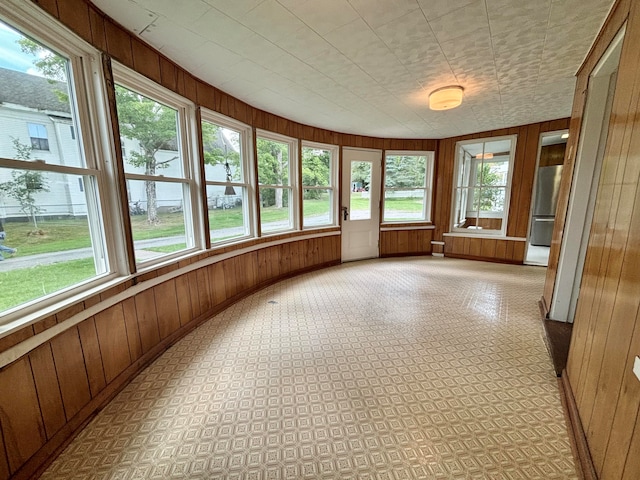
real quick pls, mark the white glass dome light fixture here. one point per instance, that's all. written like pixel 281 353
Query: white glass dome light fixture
pixel 446 98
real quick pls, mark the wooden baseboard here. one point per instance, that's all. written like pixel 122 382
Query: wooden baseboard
pixel 483 259
pixel 405 254
pixel 579 446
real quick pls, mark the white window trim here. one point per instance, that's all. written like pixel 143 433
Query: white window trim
pixel 505 215
pixel 333 180
pixel 93 135
pixel 293 186
pixel 192 210
pixel 249 183
pixel 428 187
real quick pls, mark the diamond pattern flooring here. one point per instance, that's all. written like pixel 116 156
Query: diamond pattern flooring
pixel 418 368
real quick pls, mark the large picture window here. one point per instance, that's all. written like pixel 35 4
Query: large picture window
pixel 153 126
pixel 227 174
pixel 276 170
pixel 318 185
pixel 52 238
pixel 482 185
pixel 407 186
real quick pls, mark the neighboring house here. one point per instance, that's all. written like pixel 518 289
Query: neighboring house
pixel 32 112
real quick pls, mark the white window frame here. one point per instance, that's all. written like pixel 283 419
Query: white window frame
pixel 187 141
pixel 293 186
pixel 428 185
pixel 88 90
pixel 248 183
pixel 507 188
pixel 332 187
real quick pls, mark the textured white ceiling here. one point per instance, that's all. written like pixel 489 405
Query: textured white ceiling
pixel 367 66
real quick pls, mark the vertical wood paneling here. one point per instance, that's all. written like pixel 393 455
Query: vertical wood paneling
pixel 46 382
pixel 4 461
pixel 167 308
pixel 22 426
pixel 133 330
pixel 147 320
pixel 218 284
pixel 71 371
pixel 203 289
pixel 92 356
pixel 112 337
pixel 194 293
pixel 184 300
pixel 75 14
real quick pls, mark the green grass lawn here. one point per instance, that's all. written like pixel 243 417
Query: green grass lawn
pixel 31 283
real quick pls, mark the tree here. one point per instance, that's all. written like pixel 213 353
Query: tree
pixel 153 127
pixel 315 171
pixel 273 169
pixel 25 184
pixel 405 171
pixel 487 198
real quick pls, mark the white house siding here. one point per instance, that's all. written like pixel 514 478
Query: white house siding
pixel 65 196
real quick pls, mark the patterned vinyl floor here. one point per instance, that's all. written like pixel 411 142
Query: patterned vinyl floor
pixel 418 368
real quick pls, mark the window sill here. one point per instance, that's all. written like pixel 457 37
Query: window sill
pixel 494 236
pixel 407 226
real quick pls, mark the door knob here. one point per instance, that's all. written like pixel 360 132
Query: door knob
pixel 345 213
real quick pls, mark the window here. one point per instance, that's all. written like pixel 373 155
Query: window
pixel 38 136
pixel 275 174
pixel 482 185
pixel 407 186
pixel 227 174
pixel 318 185
pixel 154 129
pixel 54 243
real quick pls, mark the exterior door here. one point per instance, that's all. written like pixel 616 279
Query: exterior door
pixel 360 206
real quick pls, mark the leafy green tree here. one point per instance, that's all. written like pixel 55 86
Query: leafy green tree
pixel 26 184
pixel 273 169
pixel 361 173
pixel 153 127
pixel 315 171
pixel 487 198
pixel 405 171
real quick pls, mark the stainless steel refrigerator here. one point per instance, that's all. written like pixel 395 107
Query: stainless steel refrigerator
pixel 544 210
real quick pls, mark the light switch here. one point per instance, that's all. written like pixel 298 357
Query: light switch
pixel 636 367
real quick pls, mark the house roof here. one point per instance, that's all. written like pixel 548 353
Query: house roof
pixel 31 91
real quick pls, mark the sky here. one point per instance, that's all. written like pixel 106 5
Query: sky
pixel 11 57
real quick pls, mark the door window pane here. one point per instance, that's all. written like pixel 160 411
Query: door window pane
pixel 360 201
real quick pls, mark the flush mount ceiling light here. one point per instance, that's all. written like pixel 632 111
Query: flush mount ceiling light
pixel 446 98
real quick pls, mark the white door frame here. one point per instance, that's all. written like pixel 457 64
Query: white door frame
pixel 584 187
pixel 361 237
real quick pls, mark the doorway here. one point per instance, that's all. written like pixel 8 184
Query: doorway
pixel 551 150
pixel 584 187
pixel 360 203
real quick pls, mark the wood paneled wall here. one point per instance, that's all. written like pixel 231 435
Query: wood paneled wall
pixel 48 394
pixel 397 243
pixel 606 331
pixel 520 202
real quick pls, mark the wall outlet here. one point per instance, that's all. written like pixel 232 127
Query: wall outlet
pixel 636 367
